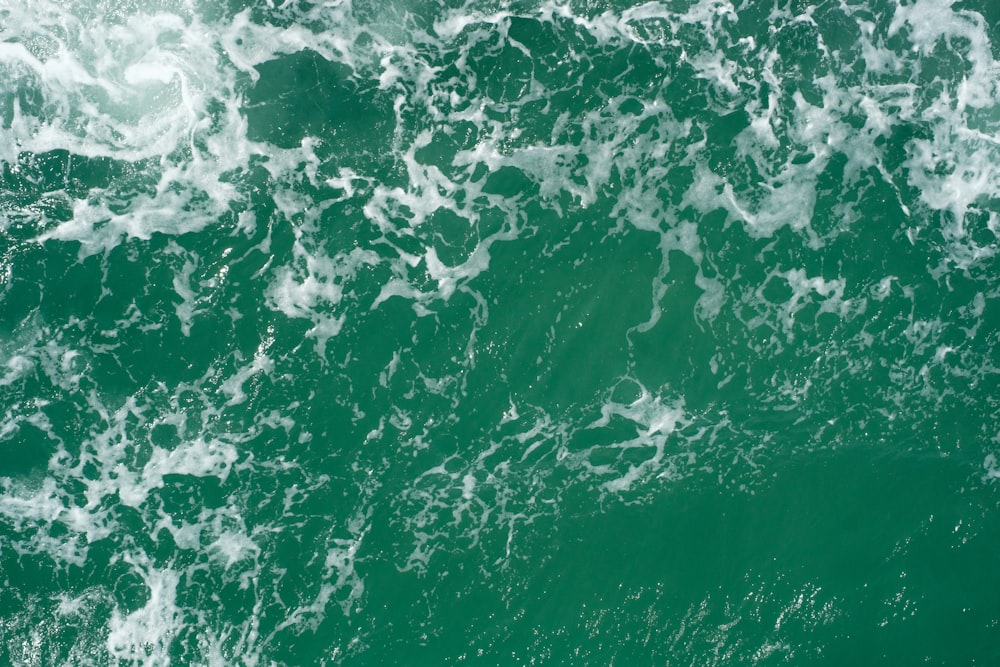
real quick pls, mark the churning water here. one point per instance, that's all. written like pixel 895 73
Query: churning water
pixel 502 331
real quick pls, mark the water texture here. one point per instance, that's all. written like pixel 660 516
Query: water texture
pixel 507 332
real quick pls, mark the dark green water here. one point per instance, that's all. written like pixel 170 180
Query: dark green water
pixel 508 333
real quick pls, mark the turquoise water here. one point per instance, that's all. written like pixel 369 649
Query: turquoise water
pixel 427 332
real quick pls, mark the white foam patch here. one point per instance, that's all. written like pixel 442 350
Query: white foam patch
pixel 186 308
pixel 803 287
pixel 991 466
pixel 648 412
pixel 233 387
pixel 448 277
pixel 655 422
pixel 144 636
pixel 313 289
pixel 397 287
pixel 199 458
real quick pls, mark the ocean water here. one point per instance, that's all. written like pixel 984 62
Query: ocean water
pixel 505 332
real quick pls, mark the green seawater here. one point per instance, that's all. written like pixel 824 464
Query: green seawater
pixel 434 332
